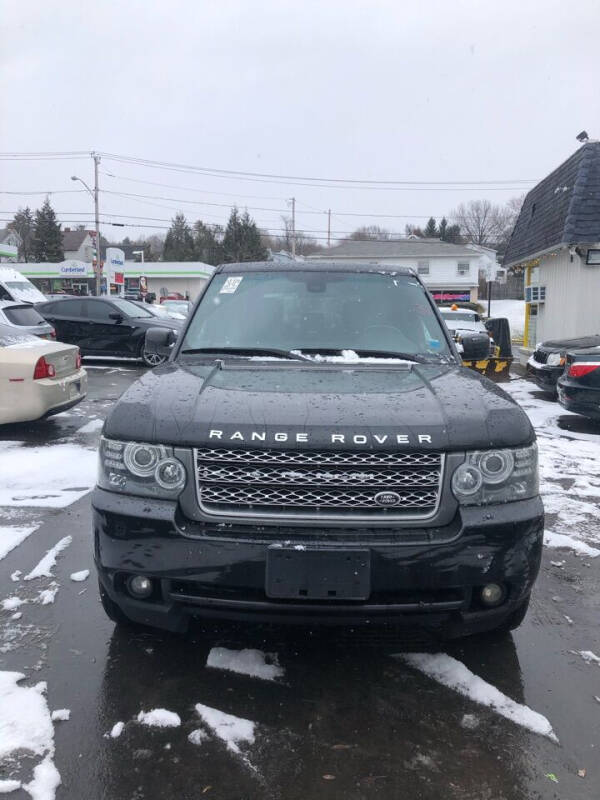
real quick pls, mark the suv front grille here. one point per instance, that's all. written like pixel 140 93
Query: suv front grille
pixel 317 484
pixel 540 356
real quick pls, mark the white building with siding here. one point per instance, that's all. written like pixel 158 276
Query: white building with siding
pixel 556 241
pixel 450 271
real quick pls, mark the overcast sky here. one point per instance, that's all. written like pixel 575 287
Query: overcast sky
pixel 373 90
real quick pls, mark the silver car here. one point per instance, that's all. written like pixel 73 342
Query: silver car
pixel 24 318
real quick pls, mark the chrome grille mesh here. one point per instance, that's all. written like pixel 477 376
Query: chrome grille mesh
pixel 304 483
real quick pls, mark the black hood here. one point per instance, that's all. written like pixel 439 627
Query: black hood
pixel 581 343
pixel 301 405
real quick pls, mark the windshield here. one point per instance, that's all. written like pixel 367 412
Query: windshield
pixel 23 315
pixel 22 290
pixel 460 316
pixel 130 309
pixel 317 311
pixel 180 306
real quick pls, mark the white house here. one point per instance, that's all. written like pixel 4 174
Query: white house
pixel 556 240
pixel 450 271
pixel 10 241
pixel 78 245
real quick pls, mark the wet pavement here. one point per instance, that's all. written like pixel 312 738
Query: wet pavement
pixel 341 722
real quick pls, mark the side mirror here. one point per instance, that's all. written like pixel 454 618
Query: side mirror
pixel 475 346
pixel 160 341
pixel 116 316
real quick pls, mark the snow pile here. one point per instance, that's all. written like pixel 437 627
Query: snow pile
pixel 452 673
pixel 513 311
pixel 117 730
pixel 231 730
pixel 25 725
pixel 159 718
pixel 46 596
pixel 8 786
pixel 51 476
pixel 350 357
pixel 197 736
pixel 12 537
pixel 80 576
pixel 44 568
pixel 246 662
pixel 569 474
pixel 11 603
pixel 589 657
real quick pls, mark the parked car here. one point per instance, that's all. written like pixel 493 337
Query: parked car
pixel 162 312
pixel 26 319
pixel 14 286
pixel 105 326
pixel 579 385
pixel 547 363
pixel 462 320
pixel 37 378
pixel 308 459
pixel 171 296
pixel 179 306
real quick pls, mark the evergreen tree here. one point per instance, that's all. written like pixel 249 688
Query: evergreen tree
pixel 430 231
pixel 47 236
pixel 179 243
pixel 443 229
pixel 242 241
pixel 206 245
pixel 23 225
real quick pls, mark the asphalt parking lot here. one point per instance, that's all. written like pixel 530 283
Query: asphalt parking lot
pixel 300 718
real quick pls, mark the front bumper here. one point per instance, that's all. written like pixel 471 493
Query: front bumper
pixel 543 375
pixel 217 572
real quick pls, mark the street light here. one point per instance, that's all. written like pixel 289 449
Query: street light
pixel 94 194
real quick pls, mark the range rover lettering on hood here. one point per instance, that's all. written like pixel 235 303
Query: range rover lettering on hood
pixel 339 438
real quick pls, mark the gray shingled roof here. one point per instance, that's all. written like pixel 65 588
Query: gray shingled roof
pixel 564 208
pixel 72 240
pixel 395 248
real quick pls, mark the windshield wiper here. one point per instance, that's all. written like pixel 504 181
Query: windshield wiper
pixel 337 351
pixel 247 351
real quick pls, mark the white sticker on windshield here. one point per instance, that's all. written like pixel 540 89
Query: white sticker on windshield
pixel 230 285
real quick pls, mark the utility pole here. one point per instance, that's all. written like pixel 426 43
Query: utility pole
pixel 329 228
pixel 293 227
pixel 96 158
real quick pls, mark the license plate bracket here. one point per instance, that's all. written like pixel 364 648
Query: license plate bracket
pixel 318 574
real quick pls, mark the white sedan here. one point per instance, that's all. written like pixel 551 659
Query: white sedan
pixel 37 378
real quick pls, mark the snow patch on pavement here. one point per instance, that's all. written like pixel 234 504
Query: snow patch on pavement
pixel 231 730
pixel 50 476
pixel 7 786
pixel 92 426
pixel 25 725
pixel 246 662
pixel 80 576
pixel 11 603
pixel 159 718
pixel 61 714
pixel 12 537
pixel 197 736
pixel 117 730
pixel 46 596
pixel 455 675
pixel 44 568
pixel 589 657
pixel 569 473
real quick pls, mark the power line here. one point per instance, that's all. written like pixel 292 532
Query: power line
pixel 312 179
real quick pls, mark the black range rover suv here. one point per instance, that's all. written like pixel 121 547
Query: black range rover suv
pixel 314 453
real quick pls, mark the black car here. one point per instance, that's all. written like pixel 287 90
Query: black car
pixel 547 363
pixel 579 385
pixel 314 453
pixel 106 326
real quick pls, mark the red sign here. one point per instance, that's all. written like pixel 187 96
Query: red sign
pixel 119 278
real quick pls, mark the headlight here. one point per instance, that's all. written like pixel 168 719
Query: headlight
pixel 555 360
pixel 496 476
pixel 140 469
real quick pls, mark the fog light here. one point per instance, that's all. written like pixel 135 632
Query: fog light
pixel 139 586
pixel 492 594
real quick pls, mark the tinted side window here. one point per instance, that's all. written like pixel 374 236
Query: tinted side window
pixel 99 311
pixel 63 308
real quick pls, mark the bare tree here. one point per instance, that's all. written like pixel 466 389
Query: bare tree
pixel 305 244
pixel 482 222
pixel 370 233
